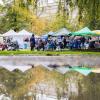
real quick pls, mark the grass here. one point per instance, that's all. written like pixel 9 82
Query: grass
pixel 48 53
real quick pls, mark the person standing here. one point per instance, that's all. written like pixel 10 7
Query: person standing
pixel 64 42
pixel 32 42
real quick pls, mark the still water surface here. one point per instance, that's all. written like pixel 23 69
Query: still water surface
pixel 20 80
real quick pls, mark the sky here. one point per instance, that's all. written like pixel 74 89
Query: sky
pixel 0 1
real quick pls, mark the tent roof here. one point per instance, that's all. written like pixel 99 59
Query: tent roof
pixel 97 32
pixel 83 32
pixel 50 33
pixel 24 33
pixel 36 36
pixel 62 31
pixel 10 33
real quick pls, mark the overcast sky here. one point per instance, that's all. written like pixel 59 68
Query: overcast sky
pixel 1 1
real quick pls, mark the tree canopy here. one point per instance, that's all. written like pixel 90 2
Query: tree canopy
pixel 21 14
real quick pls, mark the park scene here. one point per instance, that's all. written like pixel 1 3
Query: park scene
pixel 49 49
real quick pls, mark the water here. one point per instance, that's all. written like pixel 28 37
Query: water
pixel 20 80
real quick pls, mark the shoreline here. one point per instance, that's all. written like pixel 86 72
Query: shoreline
pixel 73 60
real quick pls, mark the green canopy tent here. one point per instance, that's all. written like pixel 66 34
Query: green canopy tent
pixel 83 32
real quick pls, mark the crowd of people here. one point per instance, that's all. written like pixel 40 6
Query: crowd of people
pixel 9 44
pixel 63 42
pixel 53 43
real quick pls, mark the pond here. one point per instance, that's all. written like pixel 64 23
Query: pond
pixel 49 78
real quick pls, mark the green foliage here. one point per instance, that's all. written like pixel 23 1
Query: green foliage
pixel 89 10
pixel 20 14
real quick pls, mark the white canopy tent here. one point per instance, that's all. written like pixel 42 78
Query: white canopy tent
pixel 24 33
pixel 51 33
pixel 10 33
pixel 21 36
pixel 63 32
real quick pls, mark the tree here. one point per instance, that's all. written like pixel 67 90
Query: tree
pixel 89 9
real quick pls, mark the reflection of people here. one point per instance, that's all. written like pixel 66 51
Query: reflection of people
pixel 32 42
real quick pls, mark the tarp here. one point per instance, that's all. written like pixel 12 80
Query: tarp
pixel 84 71
pixel 83 32
pixel 9 33
pixel 63 32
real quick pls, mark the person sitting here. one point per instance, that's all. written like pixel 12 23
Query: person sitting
pixel 40 45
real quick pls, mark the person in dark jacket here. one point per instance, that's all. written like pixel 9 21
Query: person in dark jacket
pixel 32 42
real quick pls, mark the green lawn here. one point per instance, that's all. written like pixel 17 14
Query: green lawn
pixel 51 53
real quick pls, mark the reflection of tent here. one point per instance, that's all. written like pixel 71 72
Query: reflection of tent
pixel 83 32
pixel 63 69
pixel 10 33
pixel 61 32
pixel 96 32
pixel 84 71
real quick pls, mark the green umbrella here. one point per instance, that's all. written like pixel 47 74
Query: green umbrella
pixel 84 32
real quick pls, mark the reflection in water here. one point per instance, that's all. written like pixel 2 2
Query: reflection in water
pixel 39 83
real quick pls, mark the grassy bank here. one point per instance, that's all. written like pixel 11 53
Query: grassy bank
pixel 48 53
